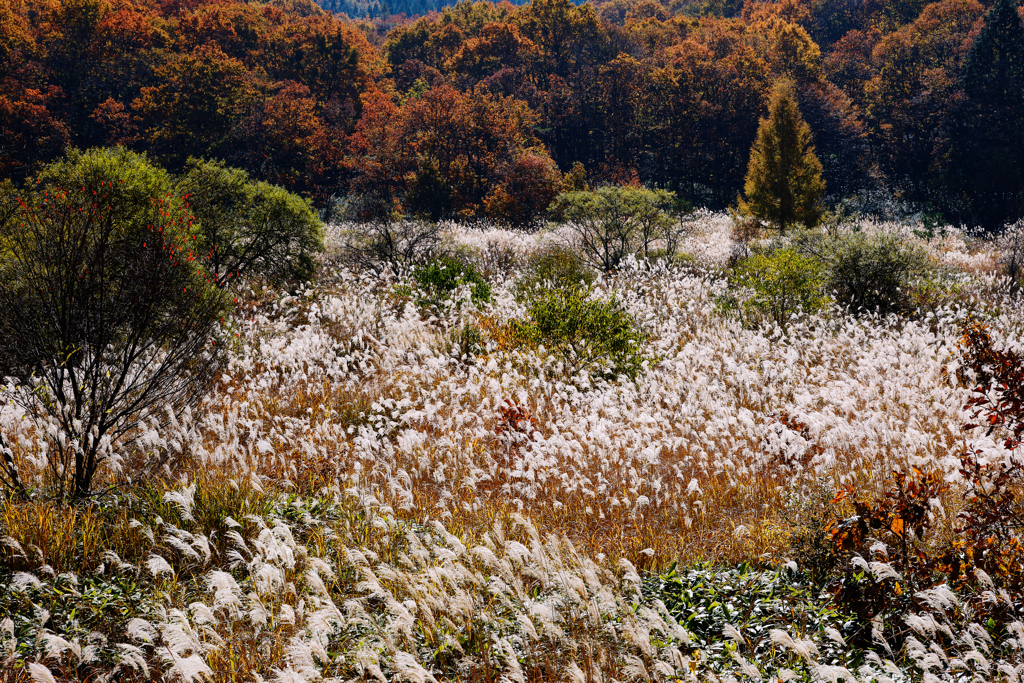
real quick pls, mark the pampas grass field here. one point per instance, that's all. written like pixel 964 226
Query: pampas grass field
pixel 383 489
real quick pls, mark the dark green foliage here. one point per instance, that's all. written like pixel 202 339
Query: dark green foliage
pixel 439 279
pixel 589 334
pixel 874 273
pixel 77 609
pixel 250 226
pixel 107 311
pixel 429 196
pixel 985 167
pixel 705 600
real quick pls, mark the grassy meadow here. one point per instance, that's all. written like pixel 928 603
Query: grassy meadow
pixel 403 476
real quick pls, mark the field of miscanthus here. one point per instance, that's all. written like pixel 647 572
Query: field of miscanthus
pixel 389 484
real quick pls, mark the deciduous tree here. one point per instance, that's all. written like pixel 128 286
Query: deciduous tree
pixel 108 314
pixel 249 226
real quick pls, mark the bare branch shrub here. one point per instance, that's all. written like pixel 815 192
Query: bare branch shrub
pixel 1011 248
pixel 613 222
pixel 381 244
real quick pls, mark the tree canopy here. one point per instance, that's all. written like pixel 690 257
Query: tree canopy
pixel 475 110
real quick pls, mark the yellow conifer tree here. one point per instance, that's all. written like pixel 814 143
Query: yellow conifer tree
pixel 783 183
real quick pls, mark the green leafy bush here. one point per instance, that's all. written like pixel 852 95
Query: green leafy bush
pixel 250 226
pixel 555 265
pixel 438 280
pixel 783 281
pixel 874 273
pixel 710 601
pixel 588 334
pixel 108 312
pixel 612 222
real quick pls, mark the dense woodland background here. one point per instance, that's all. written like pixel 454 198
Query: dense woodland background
pixel 484 110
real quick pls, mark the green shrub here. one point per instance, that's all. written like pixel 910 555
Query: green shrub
pixel 588 334
pixel 612 222
pixel 784 281
pixel 556 265
pixel 250 226
pixel 438 280
pixel 706 600
pixel 874 273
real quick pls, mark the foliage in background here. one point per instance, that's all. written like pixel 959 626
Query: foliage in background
pixel 525 192
pixel 911 103
pixel 447 154
pixel 613 222
pixel 983 155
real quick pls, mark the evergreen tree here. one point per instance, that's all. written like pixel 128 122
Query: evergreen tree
pixel 783 183
pixel 994 68
pixel 984 170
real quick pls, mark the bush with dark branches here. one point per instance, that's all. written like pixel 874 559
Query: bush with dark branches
pixel 110 317
pixel 387 243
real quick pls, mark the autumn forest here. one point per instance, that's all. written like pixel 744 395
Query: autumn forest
pixel 489 110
